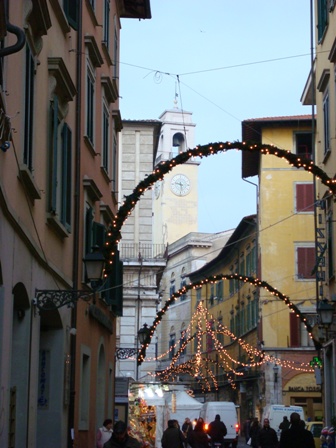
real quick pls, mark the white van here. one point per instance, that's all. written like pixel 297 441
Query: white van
pixel 276 412
pixel 228 414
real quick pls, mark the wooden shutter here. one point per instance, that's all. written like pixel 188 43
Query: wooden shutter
pixel 305 197
pixel 294 329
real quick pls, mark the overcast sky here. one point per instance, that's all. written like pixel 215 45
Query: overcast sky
pixel 228 60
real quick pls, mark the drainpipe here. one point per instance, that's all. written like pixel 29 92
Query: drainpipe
pixel 77 199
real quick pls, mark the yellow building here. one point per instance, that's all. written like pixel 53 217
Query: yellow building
pixel 286 258
pixel 228 310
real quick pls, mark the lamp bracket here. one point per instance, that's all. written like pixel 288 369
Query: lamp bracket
pixel 50 299
pixel 125 353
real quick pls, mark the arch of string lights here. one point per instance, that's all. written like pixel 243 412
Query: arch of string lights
pixel 214 279
pixel 114 232
pixel 114 235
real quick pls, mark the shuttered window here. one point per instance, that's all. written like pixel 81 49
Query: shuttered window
pixel 304 197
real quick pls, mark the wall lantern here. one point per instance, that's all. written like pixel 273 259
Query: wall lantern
pixel 325 310
pixel 49 299
pixel 143 337
pixel 143 334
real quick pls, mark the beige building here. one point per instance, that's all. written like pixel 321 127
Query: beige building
pixel 143 261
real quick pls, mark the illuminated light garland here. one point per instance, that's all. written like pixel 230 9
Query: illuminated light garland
pixel 197 366
pixel 215 278
pixel 114 235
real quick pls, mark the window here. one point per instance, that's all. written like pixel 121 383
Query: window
pixel 115 49
pixel 29 110
pixel 219 290
pixel 198 295
pixel 90 104
pixel 114 162
pixel 212 295
pixel 220 335
pixel 305 262
pixel 330 242
pixel 322 18
pixel 172 284
pixel 326 123
pixel 105 148
pixel 209 337
pixel 60 166
pixel 183 341
pixel 71 8
pixel 95 233
pixel 294 328
pixel 304 144
pixel 172 338
pixel 304 197
pixel 182 284
pixel 242 265
pixel 106 28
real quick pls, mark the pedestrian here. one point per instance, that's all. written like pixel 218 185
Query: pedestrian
pixel 198 437
pixel 247 425
pixel 186 427
pixel 284 424
pixel 296 436
pixel 172 436
pixel 120 437
pixel 104 433
pixel 217 431
pixel 267 436
pixel 254 433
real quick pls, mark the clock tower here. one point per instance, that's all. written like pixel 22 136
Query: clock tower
pixel 175 202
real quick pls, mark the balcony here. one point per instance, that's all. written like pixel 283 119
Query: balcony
pixel 142 251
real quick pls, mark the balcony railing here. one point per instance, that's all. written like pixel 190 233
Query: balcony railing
pixel 142 251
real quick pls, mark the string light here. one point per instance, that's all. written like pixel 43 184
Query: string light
pixel 164 167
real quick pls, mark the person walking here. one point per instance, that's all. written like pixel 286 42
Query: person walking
pixel 254 433
pixel 247 425
pixel 296 436
pixel 284 424
pixel 217 431
pixel 120 438
pixel 186 427
pixel 172 436
pixel 197 437
pixel 267 436
pixel 104 433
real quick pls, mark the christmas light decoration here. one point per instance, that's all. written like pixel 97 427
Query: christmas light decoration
pixel 215 278
pixel 114 235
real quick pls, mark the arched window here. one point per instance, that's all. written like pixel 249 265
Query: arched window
pixel 178 143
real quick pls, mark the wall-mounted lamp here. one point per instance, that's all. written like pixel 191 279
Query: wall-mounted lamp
pixel 325 310
pixel 49 299
pixel 143 336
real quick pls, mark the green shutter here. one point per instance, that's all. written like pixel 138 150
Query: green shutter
pixel 66 193
pixel 114 286
pixel 53 155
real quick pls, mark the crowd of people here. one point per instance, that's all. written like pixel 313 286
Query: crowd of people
pixel 293 434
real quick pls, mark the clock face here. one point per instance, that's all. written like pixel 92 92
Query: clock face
pixel 180 185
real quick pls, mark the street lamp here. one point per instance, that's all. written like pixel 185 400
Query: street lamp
pixel 325 310
pixel 143 334
pixel 50 299
pixel 143 337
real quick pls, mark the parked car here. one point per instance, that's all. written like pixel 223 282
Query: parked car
pixel 315 428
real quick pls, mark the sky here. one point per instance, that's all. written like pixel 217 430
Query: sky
pixel 228 61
